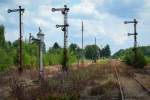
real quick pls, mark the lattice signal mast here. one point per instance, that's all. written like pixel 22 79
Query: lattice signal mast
pixel 21 11
pixel 64 28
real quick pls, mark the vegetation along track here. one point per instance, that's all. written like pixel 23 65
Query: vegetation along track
pixel 130 88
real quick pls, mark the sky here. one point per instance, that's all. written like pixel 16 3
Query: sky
pixel 102 19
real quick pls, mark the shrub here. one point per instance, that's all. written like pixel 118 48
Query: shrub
pixel 5 60
pixel 147 59
pixel 140 60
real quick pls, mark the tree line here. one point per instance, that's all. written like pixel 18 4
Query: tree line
pixel 9 53
pixel 127 55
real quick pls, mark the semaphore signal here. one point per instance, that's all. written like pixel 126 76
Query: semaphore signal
pixel 21 11
pixel 64 28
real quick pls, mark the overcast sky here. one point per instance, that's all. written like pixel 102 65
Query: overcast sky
pixel 103 19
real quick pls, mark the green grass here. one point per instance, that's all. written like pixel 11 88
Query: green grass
pixel 147 59
pixel 103 61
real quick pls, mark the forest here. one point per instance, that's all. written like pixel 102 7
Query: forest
pixel 9 51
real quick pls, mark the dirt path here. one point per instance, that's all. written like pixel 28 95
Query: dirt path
pixel 131 89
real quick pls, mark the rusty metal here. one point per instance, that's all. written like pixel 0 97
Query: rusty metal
pixel 135 36
pixel 20 10
pixel 120 85
pixel 64 28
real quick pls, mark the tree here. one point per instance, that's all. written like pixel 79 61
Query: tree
pixel 73 47
pixel 105 52
pixel 140 59
pixel 6 60
pixel 2 37
pixel 91 52
pixel 56 46
pixel 74 53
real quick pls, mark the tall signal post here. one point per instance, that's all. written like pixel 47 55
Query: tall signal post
pixel 21 11
pixel 64 28
pixel 96 52
pixel 135 22
pixel 82 44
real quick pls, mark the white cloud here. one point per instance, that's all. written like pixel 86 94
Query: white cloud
pixel 40 22
pixel 100 24
pixel 11 34
pixel 2 19
pixel 115 28
pixel 84 7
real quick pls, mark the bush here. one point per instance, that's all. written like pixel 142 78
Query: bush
pixel 5 60
pixel 140 60
pixel 147 59
pixel 55 56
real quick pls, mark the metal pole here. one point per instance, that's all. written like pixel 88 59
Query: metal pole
pixel 96 52
pixel 20 26
pixel 20 10
pixel 65 30
pixel 135 37
pixel 82 34
pixel 82 45
pixel 65 67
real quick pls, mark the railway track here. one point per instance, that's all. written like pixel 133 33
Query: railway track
pixel 122 94
pixel 124 90
pixel 142 86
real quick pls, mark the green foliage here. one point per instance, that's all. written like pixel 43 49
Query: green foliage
pixel 53 57
pixel 75 50
pixel 130 59
pixel 147 59
pixel 9 53
pixel 30 54
pixel 2 37
pixel 127 54
pixel 105 52
pixel 56 46
pixel 73 47
pixel 103 61
pixel 5 61
pixel 6 51
pixel 91 52
pixel 144 49
pixel 119 54
pixel 72 58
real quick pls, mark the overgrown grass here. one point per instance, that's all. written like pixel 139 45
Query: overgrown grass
pixel 103 61
pixel 67 85
pixel 147 59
